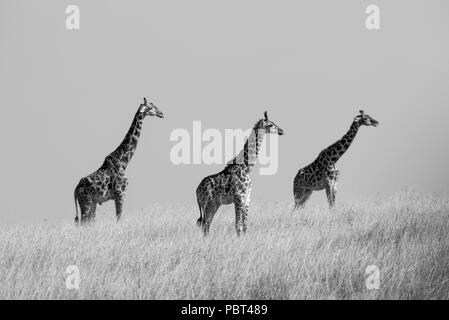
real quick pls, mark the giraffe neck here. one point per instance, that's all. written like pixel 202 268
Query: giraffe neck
pixel 248 155
pixel 335 151
pixel 125 151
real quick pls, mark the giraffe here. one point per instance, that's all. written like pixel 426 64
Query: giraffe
pixel 109 182
pixel 322 174
pixel 233 184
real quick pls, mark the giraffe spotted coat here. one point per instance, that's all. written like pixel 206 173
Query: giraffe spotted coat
pixel 233 184
pixel 322 173
pixel 109 182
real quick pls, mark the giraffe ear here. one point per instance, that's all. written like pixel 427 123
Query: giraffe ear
pixel 362 112
pixel 144 101
pixel 265 115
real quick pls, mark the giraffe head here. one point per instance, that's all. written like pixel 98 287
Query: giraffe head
pixel 366 120
pixel 150 109
pixel 268 126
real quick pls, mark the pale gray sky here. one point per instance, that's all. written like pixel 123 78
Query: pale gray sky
pixel 68 97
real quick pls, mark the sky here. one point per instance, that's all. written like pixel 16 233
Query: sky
pixel 68 96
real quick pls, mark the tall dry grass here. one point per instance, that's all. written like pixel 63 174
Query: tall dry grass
pixel 314 254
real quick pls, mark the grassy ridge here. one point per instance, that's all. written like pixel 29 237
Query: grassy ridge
pixel 315 254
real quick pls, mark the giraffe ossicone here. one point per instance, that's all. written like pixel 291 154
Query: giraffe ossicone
pixel 233 184
pixel 109 182
pixel 322 173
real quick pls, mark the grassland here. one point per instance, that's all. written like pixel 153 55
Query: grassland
pixel 315 254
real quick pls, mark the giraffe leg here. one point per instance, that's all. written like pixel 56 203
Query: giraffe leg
pixel 208 215
pixel 201 205
pixel 301 197
pixel 93 209
pixel 86 208
pixel 245 218
pixel 119 195
pixel 331 193
pixel 118 207
pixel 241 214
pixel 242 225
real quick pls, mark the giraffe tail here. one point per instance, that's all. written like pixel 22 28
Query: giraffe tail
pixel 76 208
pixel 199 222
